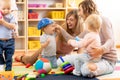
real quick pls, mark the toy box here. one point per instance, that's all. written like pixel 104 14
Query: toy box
pixel 33 44
pixel 33 31
pixel 33 15
pixel 6 75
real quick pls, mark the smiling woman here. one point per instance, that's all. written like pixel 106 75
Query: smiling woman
pixel 73 27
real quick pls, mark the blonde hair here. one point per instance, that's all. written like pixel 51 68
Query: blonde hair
pixel 6 2
pixel 89 7
pixel 93 22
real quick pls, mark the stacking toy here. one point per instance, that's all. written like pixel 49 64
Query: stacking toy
pixel 66 66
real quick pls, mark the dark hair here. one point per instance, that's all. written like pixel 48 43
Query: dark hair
pixel 88 7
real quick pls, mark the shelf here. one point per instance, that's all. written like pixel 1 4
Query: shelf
pixel 21 36
pixel 17 50
pixel 21 20
pixel 72 8
pixel 47 8
pixel 19 2
pixel 52 19
pixel 33 36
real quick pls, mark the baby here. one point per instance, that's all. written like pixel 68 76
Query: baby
pixel 90 40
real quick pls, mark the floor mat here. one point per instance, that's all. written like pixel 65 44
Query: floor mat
pixel 64 77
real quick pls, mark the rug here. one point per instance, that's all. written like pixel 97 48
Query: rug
pixel 64 77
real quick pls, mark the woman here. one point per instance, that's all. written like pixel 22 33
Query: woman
pixel 107 50
pixel 72 26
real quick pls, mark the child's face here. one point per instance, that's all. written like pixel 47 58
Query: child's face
pixel 5 7
pixel 50 29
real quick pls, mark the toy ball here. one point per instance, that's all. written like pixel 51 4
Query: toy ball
pixel 42 63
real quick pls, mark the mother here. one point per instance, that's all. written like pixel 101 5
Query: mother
pixel 107 63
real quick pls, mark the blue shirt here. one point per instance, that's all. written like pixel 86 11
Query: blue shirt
pixel 5 32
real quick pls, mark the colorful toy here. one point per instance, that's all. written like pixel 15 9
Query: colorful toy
pixel 31 76
pixel 77 38
pixel 20 77
pixel 6 75
pixel 42 66
pixel 66 66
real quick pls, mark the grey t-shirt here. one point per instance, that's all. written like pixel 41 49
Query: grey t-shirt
pixel 50 50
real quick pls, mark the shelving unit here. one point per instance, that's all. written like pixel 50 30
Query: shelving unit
pixel 28 40
pixel 20 42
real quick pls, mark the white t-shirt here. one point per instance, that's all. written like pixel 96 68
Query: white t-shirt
pixel 13 5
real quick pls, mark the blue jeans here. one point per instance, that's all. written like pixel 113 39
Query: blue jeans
pixel 7 49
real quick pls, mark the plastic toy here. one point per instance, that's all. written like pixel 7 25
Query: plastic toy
pixel 31 76
pixel 6 75
pixel 20 77
pixel 66 66
pixel 77 38
pixel 42 66
pixel 0 15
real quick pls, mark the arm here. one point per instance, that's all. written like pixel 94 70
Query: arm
pixel 45 44
pixel 8 25
pixel 82 43
pixel 107 32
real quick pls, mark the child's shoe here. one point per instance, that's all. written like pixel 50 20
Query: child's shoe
pixel 2 67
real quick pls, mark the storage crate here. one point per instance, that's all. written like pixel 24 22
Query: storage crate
pixel 33 31
pixel 34 44
pixel 6 75
pixel 33 15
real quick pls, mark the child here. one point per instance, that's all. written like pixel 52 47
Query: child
pixel 48 40
pixel 7 28
pixel 92 39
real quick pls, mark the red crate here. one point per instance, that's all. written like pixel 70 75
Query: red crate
pixel 32 15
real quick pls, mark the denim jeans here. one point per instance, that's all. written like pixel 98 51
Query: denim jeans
pixel 52 59
pixel 7 49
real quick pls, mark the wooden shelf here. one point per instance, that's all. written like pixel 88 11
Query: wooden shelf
pixel 20 3
pixel 47 8
pixel 24 22
pixel 52 19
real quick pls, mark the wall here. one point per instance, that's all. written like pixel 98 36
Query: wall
pixel 111 9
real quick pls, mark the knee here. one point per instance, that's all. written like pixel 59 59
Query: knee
pixel 92 67
pixel 88 69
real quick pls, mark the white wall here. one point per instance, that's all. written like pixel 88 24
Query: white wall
pixel 111 9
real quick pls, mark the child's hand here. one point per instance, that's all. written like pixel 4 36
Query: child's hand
pixel 48 41
pixel 1 21
pixel 71 41
pixel 15 34
pixel 58 27
pixel 12 26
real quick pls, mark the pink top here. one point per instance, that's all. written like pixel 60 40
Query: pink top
pixel 91 39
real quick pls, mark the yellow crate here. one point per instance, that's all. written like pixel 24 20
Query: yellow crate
pixel 57 14
pixel 34 44
pixel 6 75
pixel 33 31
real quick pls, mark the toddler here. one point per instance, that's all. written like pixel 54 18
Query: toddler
pixel 48 40
pixel 7 42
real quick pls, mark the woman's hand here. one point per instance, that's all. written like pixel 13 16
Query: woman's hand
pixel 96 51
